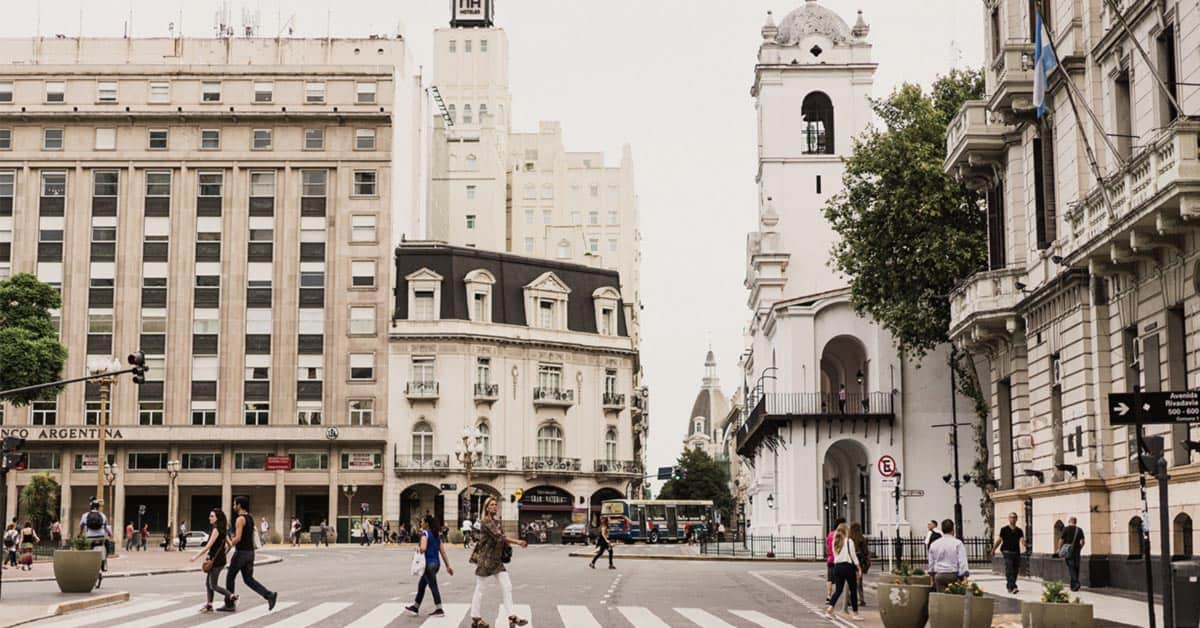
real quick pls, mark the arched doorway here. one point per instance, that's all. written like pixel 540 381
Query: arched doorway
pixel 846 484
pixel 598 498
pixel 470 502
pixel 417 500
pixel 544 512
pixel 844 377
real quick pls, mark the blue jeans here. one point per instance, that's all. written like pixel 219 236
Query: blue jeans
pixel 1012 565
pixel 429 578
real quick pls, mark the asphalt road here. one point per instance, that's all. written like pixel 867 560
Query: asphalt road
pixel 351 586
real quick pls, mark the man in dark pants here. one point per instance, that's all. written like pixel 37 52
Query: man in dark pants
pixel 243 558
pixel 1011 544
pixel 1072 536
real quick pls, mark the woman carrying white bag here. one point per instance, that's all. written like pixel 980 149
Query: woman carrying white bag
pixel 426 562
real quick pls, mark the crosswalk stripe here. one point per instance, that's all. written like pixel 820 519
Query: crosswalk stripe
pixel 641 617
pixel 704 619
pixel 381 616
pixel 521 610
pixel 117 612
pixel 311 616
pixel 158 620
pixel 760 619
pixel 241 617
pixel 454 615
pixel 577 617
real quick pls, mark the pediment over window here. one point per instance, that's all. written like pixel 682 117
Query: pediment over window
pixel 423 275
pixel 480 275
pixel 549 282
pixel 606 292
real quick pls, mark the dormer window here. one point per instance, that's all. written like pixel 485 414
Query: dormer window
pixel 546 314
pixel 424 295
pixel 546 302
pixel 606 301
pixel 479 284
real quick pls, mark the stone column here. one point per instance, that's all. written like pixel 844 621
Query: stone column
pixel 227 479
pixel 281 525
pixel 118 508
pixel 65 498
pixel 335 463
pixel 11 500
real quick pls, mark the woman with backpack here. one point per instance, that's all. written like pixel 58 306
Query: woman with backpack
pixel 10 545
pixel 492 550
pixel 214 552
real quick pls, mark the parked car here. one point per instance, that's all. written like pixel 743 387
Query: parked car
pixel 576 533
pixel 196 538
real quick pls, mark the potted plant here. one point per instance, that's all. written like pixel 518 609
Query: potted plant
pixel 947 609
pixel 1056 609
pixel 77 568
pixel 903 598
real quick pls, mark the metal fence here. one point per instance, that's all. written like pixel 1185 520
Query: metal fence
pixel 912 549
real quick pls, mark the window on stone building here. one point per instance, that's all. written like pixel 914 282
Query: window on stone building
pixel 1123 112
pixel 817 112
pixel 550 441
pixel 1044 187
pixel 1168 71
pixel 422 442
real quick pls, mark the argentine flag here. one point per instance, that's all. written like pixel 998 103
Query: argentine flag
pixel 1043 65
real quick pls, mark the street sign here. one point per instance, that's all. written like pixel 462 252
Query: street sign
pixel 518 493
pixel 887 482
pixel 448 487
pixel 916 492
pixel 1181 406
pixel 887 466
pixel 664 473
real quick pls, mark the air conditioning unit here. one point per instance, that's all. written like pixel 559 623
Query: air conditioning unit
pixel 440 463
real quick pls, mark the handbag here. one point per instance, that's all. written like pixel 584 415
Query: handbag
pixel 207 565
pixel 506 554
pixel 1066 548
pixel 418 563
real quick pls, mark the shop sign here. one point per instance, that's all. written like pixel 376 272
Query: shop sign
pixel 62 433
pixel 546 496
pixel 278 463
pixel 89 462
pixel 360 461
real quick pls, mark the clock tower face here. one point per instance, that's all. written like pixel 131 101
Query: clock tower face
pixel 471 13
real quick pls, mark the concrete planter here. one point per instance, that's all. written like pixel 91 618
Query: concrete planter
pixel 923 580
pixel 76 571
pixel 946 611
pixel 1043 615
pixel 903 606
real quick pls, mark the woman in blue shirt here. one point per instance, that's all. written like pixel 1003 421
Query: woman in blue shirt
pixel 435 555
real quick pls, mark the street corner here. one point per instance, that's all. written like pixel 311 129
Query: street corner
pixel 38 606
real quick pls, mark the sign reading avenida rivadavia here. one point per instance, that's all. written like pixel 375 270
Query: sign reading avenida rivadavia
pixel 60 433
pixel 470 13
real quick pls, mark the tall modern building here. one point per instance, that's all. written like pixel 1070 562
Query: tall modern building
pixel 829 397
pixel 225 204
pixel 1092 289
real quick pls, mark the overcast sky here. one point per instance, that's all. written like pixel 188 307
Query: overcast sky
pixel 671 77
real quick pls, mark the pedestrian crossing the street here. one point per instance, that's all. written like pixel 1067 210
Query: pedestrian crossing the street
pixel 176 611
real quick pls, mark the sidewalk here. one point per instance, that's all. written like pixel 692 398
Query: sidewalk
pixel 128 564
pixel 1114 608
pixel 30 607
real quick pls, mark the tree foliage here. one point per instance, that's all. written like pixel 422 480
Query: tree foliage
pixel 907 231
pixel 30 352
pixel 703 478
pixel 39 500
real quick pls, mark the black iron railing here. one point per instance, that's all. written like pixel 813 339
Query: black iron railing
pixel 421 463
pixel 540 463
pixel 421 389
pixel 614 400
pixel 913 549
pixel 485 463
pixel 558 395
pixel 487 391
pixel 617 466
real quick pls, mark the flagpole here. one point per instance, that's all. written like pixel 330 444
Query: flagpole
pixel 1112 6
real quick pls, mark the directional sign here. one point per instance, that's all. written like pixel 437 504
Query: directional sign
pixel 913 493
pixel 664 473
pixel 1154 407
pixel 887 482
pixel 886 466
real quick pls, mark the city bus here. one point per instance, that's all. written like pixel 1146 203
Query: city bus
pixel 656 520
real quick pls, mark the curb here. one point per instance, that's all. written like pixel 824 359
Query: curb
pixel 267 560
pixel 77 605
pixel 715 559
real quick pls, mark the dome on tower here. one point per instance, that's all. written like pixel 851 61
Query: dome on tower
pixel 810 19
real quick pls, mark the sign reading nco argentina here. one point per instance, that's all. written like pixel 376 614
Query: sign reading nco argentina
pixel 61 433
pixel 1181 406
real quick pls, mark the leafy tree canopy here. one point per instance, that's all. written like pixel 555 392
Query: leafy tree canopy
pixel 907 231
pixel 30 352
pixel 702 478
pixel 39 500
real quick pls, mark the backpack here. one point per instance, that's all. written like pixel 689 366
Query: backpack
pixel 94 521
pixel 10 538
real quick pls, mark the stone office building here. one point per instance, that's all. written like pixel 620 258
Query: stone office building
pixel 1091 290
pixel 225 205
pixel 536 355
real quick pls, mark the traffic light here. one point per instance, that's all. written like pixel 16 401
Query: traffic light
pixel 679 473
pixel 9 458
pixel 137 360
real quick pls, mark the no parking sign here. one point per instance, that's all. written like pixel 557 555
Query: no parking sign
pixel 887 466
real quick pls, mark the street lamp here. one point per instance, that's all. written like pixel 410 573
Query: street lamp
pixel 173 467
pixel 349 490
pixel 770 501
pixel 469 453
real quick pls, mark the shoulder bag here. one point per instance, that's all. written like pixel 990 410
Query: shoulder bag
pixel 506 554
pixel 1065 550
pixel 207 565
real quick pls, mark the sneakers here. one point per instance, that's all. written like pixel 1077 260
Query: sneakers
pixel 411 609
pixel 592 565
pixel 271 601
pixel 437 612
pixel 228 608
pixel 611 567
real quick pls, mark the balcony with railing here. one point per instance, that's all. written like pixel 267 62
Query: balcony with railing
pixel 487 392
pixel 617 467
pixel 614 401
pixel 985 299
pixel 546 396
pixel 974 139
pixel 421 390
pixel 775 409
pixel 1010 79
pixel 550 464
pixel 408 464
pixel 489 464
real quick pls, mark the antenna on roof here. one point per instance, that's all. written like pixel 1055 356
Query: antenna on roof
pixel 251 21
pixel 222 24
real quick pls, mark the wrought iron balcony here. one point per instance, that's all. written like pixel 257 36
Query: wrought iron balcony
pixel 421 463
pixel 550 464
pixel 484 464
pixel 543 396
pixel 617 467
pixel 775 409
pixel 421 390
pixel 487 392
pixel 614 401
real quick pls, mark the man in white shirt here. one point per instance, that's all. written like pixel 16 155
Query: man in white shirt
pixel 265 527
pixel 467 529
pixel 947 558
pixel 932 535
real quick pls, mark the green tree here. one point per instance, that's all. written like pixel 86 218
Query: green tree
pixel 907 231
pixel 701 477
pixel 39 500
pixel 30 352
